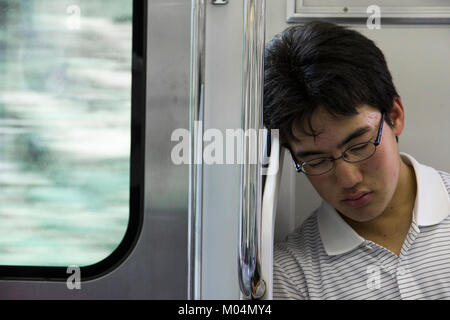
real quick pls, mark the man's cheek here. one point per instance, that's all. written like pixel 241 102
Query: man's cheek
pixel 383 166
pixel 324 187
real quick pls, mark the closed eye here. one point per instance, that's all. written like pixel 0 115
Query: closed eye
pixel 357 148
pixel 316 162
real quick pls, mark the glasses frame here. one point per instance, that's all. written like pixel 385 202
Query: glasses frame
pixel 299 167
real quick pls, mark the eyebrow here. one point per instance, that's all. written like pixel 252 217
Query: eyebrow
pixel 355 134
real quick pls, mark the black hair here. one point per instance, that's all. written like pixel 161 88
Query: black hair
pixel 320 64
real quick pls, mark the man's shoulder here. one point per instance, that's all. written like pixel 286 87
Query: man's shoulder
pixel 302 241
pixel 294 258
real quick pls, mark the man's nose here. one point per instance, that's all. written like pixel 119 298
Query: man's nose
pixel 348 175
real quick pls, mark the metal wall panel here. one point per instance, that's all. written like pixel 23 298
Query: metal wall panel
pixel 221 182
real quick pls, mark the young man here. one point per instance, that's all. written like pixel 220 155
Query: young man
pixel 383 229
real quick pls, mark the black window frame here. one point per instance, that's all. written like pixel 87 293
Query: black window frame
pixel 137 172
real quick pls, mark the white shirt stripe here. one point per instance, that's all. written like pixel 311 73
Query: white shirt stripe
pixel 326 259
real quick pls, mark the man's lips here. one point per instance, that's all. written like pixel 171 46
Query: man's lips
pixel 359 199
pixel 355 196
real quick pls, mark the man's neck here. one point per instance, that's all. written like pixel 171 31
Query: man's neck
pixel 391 227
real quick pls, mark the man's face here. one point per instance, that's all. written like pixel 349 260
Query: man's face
pixel 360 191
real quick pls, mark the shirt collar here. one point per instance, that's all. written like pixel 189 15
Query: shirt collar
pixel 432 205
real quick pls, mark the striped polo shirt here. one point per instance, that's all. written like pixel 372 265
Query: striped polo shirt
pixel 326 259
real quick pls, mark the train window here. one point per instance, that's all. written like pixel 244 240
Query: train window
pixel 67 156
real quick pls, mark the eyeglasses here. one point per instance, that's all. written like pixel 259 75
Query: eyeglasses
pixel 356 153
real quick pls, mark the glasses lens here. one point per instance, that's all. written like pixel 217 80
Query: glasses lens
pixel 317 166
pixel 359 152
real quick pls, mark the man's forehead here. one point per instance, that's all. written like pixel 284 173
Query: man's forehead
pixel 323 123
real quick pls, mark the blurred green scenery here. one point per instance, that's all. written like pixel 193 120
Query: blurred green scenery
pixel 65 113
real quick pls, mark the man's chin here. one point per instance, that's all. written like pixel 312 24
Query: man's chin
pixel 359 215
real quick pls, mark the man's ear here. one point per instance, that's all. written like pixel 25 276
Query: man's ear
pixel 397 116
